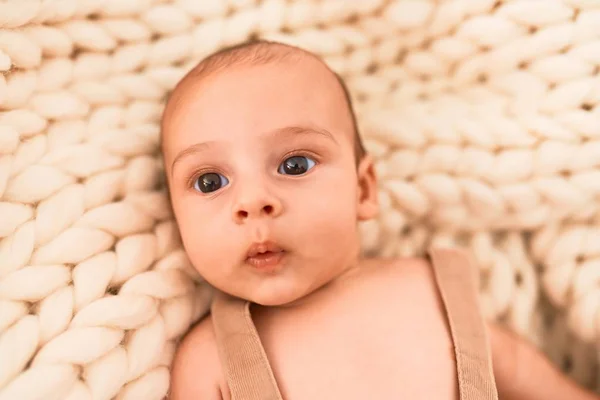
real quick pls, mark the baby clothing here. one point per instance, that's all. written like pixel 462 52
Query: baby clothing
pixel 250 377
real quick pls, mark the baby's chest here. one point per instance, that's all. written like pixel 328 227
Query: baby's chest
pixel 350 370
pixel 361 355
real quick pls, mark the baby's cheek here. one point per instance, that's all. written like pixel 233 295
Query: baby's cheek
pixel 205 240
pixel 330 221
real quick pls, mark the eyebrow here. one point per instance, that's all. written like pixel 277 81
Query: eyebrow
pixel 280 132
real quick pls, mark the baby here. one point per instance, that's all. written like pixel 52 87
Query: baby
pixel 268 180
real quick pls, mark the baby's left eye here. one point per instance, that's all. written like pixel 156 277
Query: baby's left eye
pixel 296 165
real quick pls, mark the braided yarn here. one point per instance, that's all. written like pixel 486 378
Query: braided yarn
pixel 483 117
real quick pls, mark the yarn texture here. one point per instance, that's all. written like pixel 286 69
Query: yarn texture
pixel 483 117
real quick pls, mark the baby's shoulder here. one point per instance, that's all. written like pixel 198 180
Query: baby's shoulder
pixel 404 287
pixel 196 369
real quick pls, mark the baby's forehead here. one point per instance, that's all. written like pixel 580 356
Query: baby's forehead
pixel 295 76
pixel 306 67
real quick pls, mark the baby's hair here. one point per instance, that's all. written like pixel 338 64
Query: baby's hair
pixel 260 52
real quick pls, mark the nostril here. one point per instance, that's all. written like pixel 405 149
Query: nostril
pixel 243 213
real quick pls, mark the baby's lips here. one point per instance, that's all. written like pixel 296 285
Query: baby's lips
pixel 263 247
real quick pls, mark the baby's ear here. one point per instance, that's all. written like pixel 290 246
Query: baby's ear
pixel 368 205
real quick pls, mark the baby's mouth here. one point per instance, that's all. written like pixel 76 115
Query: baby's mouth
pixel 265 256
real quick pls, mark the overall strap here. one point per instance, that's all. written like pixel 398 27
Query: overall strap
pixel 457 279
pixel 246 367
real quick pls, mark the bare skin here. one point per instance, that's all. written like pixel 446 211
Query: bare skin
pixel 357 330
pixel 400 351
pixel 333 326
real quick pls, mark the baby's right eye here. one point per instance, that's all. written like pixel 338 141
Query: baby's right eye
pixel 210 182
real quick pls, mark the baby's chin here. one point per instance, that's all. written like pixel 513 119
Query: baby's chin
pixel 277 296
pixel 272 293
pixel 277 299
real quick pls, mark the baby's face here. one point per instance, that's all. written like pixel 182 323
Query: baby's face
pixel 263 179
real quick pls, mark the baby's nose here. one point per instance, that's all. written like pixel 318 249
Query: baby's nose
pixel 257 206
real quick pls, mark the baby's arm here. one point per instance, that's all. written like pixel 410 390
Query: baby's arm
pixel 195 373
pixel 523 373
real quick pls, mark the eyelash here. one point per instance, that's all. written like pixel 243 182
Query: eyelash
pixel 302 153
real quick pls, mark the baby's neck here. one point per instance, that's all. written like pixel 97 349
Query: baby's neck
pixel 310 297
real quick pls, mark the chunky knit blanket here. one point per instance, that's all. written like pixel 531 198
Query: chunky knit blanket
pixel 483 116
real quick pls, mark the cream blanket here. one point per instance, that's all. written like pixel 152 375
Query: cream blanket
pixel 483 115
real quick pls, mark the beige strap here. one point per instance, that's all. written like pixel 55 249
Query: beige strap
pixel 457 280
pixel 249 375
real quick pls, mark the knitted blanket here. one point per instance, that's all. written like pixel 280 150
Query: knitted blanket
pixel 483 117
